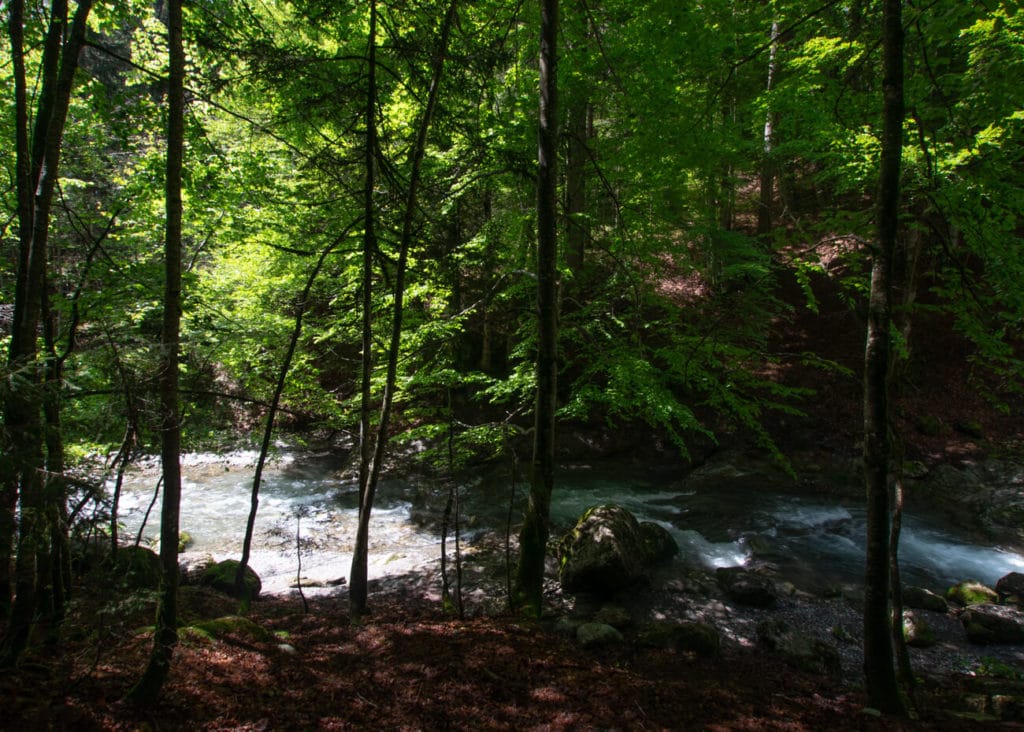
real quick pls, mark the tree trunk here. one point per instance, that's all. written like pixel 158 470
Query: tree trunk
pixel 37 164
pixel 882 687
pixel 767 193
pixel 533 537
pixel 268 430
pixel 358 575
pixel 165 637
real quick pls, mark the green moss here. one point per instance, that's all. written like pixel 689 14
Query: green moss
pixel 221 576
pixel 235 625
pixel 971 592
pixel 184 541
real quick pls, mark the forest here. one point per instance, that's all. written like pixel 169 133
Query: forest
pixel 468 244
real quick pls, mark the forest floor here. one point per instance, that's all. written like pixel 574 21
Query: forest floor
pixel 409 666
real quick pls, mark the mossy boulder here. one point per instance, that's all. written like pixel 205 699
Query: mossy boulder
pixel 745 587
pixel 988 623
pixel 699 638
pixel 919 598
pixel 598 635
pixel 603 554
pixel 138 566
pixel 236 626
pixel 221 576
pixel 660 547
pixel 1011 588
pixel 971 592
pixel 917 631
pixel 184 541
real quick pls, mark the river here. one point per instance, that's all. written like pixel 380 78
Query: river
pixel 307 512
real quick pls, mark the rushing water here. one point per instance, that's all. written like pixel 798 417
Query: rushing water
pixel 812 542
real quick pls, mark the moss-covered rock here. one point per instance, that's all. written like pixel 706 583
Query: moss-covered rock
pixel 138 566
pixel 971 592
pixel 987 623
pixel 184 541
pixel 699 638
pixel 221 576
pixel 598 635
pixel 603 554
pixel 237 626
pixel 919 598
pixel 659 545
pixel 916 630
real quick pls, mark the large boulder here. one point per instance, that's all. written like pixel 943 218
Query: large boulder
pixel 971 592
pixel 138 566
pixel 1011 588
pixel 919 598
pixel 221 576
pixel 989 623
pixel 598 635
pixel 698 638
pixel 745 587
pixel 659 545
pixel 916 630
pixel 604 553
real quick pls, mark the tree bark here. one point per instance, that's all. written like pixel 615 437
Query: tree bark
pixel 767 183
pixel 165 637
pixel 357 576
pixel 360 553
pixel 882 687
pixel 533 537
pixel 37 164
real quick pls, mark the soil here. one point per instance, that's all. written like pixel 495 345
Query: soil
pixel 412 665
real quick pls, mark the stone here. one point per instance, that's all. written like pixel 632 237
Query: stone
pixel 603 554
pixel 1011 586
pixel 660 547
pixel 613 615
pixel 235 625
pixel 699 638
pixel 745 587
pixel 919 598
pixel 221 576
pixel 916 630
pixel 800 650
pixel 598 635
pixel 971 592
pixel 139 567
pixel 988 623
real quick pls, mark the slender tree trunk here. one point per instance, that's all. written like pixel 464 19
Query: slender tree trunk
pixel 882 687
pixel 165 637
pixel 358 578
pixel 767 193
pixel 37 164
pixel 533 537
pixel 360 553
pixel 268 430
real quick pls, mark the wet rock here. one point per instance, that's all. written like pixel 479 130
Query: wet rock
pixel 989 623
pixel 603 554
pixel 919 598
pixel 798 649
pixel 659 545
pixel 598 635
pixel 745 587
pixel 916 630
pixel 1011 587
pixel 971 592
